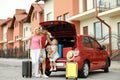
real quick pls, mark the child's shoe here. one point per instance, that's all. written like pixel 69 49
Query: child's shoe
pixel 54 69
pixel 51 69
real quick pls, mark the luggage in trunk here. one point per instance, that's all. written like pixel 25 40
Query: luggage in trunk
pixel 60 47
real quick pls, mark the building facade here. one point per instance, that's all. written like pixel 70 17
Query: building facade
pixel 60 10
pixel 14 32
pixel 83 14
pixel 109 12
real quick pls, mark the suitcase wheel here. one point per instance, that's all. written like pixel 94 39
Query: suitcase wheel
pixel 22 75
pixel 66 78
pixel 74 78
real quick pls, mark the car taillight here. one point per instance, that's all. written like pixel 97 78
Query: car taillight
pixel 76 53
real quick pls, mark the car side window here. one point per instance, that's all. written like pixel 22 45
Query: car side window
pixel 86 42
pixel 94 43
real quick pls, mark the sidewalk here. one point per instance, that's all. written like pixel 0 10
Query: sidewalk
pixel 115 65
pixel 11 69
pixel 18 63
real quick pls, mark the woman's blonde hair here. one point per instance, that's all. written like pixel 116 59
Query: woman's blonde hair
pixel 35 29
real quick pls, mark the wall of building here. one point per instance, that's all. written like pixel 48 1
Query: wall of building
pixel 111 21
pixel 26 30
pixel 61 7
pixel 18 33
pixel 49 8
pixel 1 37
pixel 10 34
pixel 10 38
pixel 1 33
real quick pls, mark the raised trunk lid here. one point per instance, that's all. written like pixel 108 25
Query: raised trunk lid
pixel 59 28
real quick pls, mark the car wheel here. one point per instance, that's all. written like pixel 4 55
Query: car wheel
pixel 84 72
pixel 47 72
pixel 106 69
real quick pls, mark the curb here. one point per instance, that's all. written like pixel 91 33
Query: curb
pixel 115 65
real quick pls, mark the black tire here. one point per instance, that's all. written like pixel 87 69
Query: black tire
pixel 66 78
pixel 84 72
pixel 47 72
pixel 23 76
pixel 106 69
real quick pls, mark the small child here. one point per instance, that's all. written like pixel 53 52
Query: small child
pixel 49 51
pixel 53 54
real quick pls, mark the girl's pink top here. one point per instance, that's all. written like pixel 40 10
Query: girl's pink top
pixel 35 42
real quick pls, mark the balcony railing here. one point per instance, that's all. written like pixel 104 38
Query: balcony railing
pixel 105 5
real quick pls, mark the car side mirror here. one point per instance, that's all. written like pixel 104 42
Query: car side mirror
pixel 103 47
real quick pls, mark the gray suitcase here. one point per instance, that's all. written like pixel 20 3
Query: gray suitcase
pixel 27 67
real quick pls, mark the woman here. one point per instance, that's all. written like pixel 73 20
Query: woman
pixel 44 34
pixel 35 47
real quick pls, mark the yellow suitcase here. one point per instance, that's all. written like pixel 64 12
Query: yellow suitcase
pixel 71 70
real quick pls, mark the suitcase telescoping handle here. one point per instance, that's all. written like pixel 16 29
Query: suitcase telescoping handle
pixel 28 53
pixel 29 63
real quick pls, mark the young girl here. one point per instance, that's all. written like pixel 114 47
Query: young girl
pixel 54 54
pixel 49 51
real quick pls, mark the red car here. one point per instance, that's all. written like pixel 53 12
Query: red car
pixel 91 56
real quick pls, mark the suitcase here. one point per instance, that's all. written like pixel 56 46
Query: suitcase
pixel 65 50
pixel 60 48
pixel 27 67
pixel 72 70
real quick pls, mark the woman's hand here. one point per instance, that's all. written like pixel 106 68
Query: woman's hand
pixel 41 55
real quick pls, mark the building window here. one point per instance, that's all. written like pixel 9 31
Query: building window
pixel 118 2
pixel 94 3
pixel 98 30
pixel 5 33
pixel 66 16
pixel 85 30
pixel 84 5
pixel 59 18
pixel 49 15
pixel 36 15
pixel 26 28
pixel 24 32
pixel 119 31
pixel 99 3
pixel 5 36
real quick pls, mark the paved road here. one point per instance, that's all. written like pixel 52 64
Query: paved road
pixel 10 69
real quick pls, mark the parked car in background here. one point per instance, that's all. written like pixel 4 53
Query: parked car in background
pixel 91 55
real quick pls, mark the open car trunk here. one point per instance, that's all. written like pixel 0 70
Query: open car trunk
pixel 63 31
pixel 65 34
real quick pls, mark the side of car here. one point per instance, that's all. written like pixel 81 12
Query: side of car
pixel 92 56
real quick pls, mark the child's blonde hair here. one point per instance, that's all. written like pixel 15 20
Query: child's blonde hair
pixel 49 51
pixel 55 41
